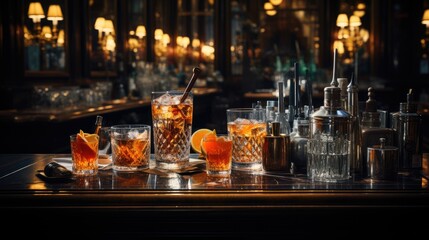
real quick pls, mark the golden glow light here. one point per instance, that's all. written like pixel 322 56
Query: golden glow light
pixel 46 32
pixel 35 11
pixel 158 34
pixel 425 18
pixel 140 31
pixel 196 42
pixel 99 23
pixel 276 2
pixel 60 40
pixel 268 6
pixel 55 14
pixel 110 43
pixel 165 39
pixel 342 20
pixel 108 26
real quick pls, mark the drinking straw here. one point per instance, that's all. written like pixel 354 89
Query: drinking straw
pixel 195 73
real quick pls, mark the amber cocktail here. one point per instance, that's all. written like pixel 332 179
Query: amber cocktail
pixel 130 147
pixel 84 150
pixel 247 129
pixel 172 129
pixel 218 153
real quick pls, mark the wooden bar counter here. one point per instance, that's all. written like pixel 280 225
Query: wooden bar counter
pixel 251 205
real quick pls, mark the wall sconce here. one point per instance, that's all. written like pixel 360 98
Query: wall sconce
pixel 60 40
pixel 158 34
pixel 98 25
pixel 276 2
pixel 46 33
pixel 36 13
pixel 106 32
pixel 44 44
pixel 425 18
pixel 55 14
pixel 269 9
pixel 350 36
pixel 140 31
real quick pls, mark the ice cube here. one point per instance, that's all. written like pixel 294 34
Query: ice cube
pixel 143 135
pixel 242 121
pixel 176 100
pixel 133 134
pixel 165 99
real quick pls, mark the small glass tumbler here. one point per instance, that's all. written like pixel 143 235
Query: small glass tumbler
pixel 84 155
pixel 247 129
pixel 218 152
pixel 130 147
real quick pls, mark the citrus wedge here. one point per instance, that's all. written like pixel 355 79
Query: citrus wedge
pixel 196 138
pixel 211 136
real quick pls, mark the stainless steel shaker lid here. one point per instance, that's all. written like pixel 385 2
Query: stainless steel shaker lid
pixel 382 147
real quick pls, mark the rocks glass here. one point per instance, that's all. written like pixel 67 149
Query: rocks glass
pixel 247 129
pixel 130 147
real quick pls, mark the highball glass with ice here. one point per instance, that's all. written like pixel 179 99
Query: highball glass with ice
pixel 247 128
pixel 172 129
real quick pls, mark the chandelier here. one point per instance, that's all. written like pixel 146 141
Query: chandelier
pixel 351 36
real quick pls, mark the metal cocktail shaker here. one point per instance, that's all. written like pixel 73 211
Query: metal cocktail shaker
pixel 276 150
pixel 382 161
pixel 355 130
pixel 329 145
pixel 371 129
pixel 299 140
pixel 407 123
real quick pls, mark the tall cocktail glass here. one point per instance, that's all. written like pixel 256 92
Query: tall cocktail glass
pixel 247 128
pixel 172 129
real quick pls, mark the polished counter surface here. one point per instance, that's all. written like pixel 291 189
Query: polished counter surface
pixel 77 112
pixel 274 202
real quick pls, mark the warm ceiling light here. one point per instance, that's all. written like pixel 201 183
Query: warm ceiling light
pixel 196 42
pixel 268 6
pixel 361 6
pixel 339 46
pixel 359 13
pixel 140 31
pixel 425 18
pixel 46 32
pixel 55 14
pixel 276 2
pixel 165 38
pixel 60 40
pixel 271 12
pixel 342 20
pixel 179 40
pixel 99 23
pixel 185 41
pixel 355 21
pixel 110 43
pixel 158 34
pixel 108 26
pixel 35 11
